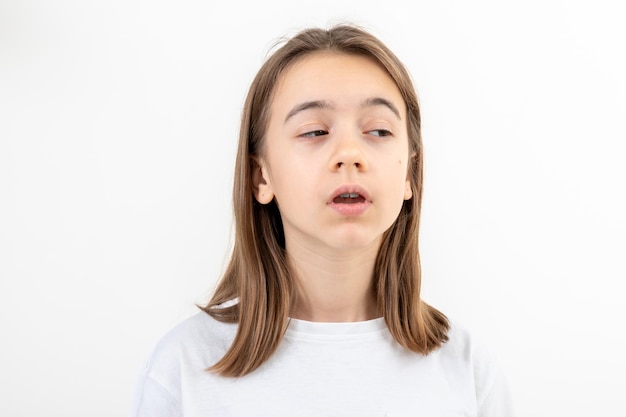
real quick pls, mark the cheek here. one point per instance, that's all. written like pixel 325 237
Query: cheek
pixel 402 167
pixel 288 179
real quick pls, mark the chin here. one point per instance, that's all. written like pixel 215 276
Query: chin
pixel 355 241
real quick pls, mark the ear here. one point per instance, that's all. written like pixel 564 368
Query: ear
pixel 260 181
pixel 408 191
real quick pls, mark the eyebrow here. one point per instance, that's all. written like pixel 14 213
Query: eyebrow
pixel 307 105
pixel 379 101
pixel 322 104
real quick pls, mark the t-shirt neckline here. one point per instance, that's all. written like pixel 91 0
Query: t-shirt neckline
pixel 302 329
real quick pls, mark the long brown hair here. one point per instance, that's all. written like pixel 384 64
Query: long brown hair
pixel 258 273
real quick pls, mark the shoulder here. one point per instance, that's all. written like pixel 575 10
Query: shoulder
pixel 484 364
pixel 191 338
pixel 196 343
pixel 472 349
pixel 468 345
pixel 197 327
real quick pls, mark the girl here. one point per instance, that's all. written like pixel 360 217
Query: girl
pixel 319 311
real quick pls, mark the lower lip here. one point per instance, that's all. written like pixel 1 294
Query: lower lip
pixel 354 209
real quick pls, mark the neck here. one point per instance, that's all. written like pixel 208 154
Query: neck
pixel 336 288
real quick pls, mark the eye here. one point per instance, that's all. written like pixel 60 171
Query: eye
pixel 380 132
pixel 313 133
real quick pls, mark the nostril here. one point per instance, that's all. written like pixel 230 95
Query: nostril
pixel 356 164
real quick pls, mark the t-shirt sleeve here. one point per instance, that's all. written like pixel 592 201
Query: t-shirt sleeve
pixel 153 400
pixel 157 391
pixel 493 394
pixel 496 400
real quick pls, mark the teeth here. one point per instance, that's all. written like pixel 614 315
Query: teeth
pixel 349 195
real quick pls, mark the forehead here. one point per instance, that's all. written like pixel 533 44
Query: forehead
pixel 341 78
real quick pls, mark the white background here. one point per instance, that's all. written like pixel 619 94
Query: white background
pixel 118 126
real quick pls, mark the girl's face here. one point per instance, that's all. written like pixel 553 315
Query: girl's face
pixel 335 153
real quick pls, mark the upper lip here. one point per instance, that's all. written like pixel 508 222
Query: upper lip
pixel 350 188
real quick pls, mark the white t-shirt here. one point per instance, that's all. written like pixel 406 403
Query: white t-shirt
pixel 321 369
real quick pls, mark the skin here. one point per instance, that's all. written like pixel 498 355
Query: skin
pixel 336 120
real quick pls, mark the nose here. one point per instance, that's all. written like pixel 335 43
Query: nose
pixel 348 153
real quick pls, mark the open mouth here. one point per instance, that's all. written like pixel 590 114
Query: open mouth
pixel 349 198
